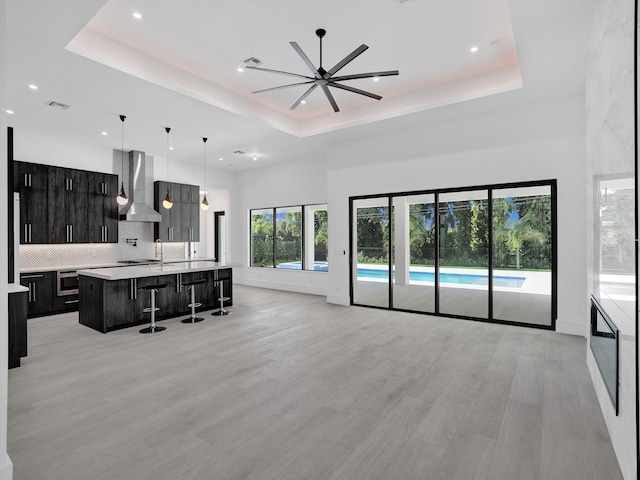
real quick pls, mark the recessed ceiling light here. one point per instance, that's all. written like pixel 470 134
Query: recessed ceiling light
pixel 375 79
pixel 105 134
pixel 10 112
pixel 240 69
pixel 255 158
pixel 473 49
pixel 33 87
pixel 137 15
pixel 303 101
pixel 170 148
pixel 220 159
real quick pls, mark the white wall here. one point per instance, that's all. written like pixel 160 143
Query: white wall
pixel 474 150
pixel 535 142
pixel 6 467
pixel 611 151
pixel 297 183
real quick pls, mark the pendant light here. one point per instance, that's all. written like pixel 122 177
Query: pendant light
pixel 167 203
pixel 122 197
pixel 205 205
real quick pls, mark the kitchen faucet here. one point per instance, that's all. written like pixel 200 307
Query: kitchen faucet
pixel 161 252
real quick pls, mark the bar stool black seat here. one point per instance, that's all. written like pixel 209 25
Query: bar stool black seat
pixel 219 281
pixel 191 285
pixel 153 289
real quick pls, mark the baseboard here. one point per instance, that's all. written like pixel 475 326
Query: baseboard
pixel 288 287
pixel 571 328
pixel 6 467
pixel 339 300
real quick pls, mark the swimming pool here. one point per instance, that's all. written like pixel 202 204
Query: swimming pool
pixel 420 276
pixel 456 278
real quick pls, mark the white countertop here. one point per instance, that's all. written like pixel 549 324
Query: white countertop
pixel 114 264
pixel 17 288
pixel 153 270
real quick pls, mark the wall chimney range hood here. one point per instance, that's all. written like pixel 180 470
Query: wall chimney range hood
pixel 137 210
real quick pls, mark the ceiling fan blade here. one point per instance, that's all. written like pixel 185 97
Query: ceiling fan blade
pixel 332 100
pixel 305 59
pixel 280 72
pixel 283 86
pixel 366 75
pixel 355 90
pixel 346 60
pixel 304 95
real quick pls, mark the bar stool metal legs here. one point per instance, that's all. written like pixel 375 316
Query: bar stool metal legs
pixel 153 328
pixel 191 285
pixel 222 299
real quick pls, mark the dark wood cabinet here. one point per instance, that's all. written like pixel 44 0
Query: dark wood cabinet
pixel 42 290
pixel 65 205
pixel 18 302
pixel 181 223
pixel 30 181
pixel 107 305
pixel 102 221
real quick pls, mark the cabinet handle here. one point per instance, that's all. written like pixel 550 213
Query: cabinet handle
pixel 71 231
pixel 178 282
pixel 26 232
pixel 32 276
pixel 106 233
pixel 72 301
pixel 67 227
pixel 30 239
pixel 71 184
pixel 26 179
pixel 29 287
pixel 34 291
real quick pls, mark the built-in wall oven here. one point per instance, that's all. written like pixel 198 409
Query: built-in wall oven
pixel 67 282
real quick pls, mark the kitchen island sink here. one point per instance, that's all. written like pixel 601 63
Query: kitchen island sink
pixel 111 298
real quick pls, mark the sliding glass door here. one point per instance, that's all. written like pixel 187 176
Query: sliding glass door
pixel 522 254
pixel 463 259
pixel 485 253
pixel 414 248
pixel 370 268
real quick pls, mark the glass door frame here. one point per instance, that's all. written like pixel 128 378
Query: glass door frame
pixel 552 183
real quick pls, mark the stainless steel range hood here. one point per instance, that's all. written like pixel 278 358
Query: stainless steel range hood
pixel 137 210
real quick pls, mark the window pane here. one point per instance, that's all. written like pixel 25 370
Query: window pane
pixel 371 271
pixel 414 253
pixel 522 254
pixel 262 238
pixel 464 274
pixel 289 238
pixel 316 234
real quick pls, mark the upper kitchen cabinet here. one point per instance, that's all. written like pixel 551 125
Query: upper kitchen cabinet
pixel 102 208
pixel 178 224
pixel 65 205
pixel 29 176
pixel 30 181
pixel 68 206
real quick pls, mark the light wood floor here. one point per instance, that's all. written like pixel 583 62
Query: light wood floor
pixel 290 387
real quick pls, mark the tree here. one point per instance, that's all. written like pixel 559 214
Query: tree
pixel 523 231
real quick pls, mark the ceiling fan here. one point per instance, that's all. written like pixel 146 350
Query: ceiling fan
pixel 325 78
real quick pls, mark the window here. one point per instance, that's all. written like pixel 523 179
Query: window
pixel 293 238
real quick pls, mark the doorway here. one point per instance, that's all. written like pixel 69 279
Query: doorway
pixel 219 237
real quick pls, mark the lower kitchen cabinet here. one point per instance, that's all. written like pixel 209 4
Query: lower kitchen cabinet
pixel 17 327
pixel 42 290
pixel 107 305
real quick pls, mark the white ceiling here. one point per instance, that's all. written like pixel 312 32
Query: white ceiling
pixel 177 66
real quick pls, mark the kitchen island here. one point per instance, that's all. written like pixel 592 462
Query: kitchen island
pixel 111 298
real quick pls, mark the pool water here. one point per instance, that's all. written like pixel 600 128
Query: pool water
pixel 457 278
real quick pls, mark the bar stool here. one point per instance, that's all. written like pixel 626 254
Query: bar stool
pixel 222 299
pixel 191 285
pixel 153 289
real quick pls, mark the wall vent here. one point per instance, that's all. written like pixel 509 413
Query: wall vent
pixel 253 61
pixel 58 105
pixel 239 152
